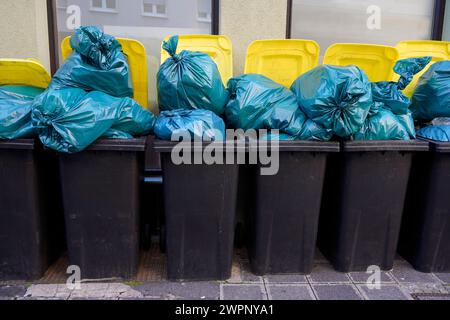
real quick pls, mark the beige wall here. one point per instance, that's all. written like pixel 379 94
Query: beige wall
pixel 24 33
pixel 247 20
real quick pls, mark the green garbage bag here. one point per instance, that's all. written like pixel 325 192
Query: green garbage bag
pixel 97 64
pixel 338 98
pixel 15 116
pixel 431 98
pixel 439 133
pixel 199 124
pixel 69 120
pixel 256 102
pixel 23 90
pixel 389 117
pixel 190 80
pixel 390 92
pixel 441 121
pixel 274 136
pixel 385 125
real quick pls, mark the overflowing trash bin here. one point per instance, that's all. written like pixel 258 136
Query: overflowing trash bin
pixel 31 215
pixel 274 241
pixel 425 233
pixel 284 218
pixel 88 116
pixel 200 213
pixel 199 194
pixel 344 148
pixel 366 183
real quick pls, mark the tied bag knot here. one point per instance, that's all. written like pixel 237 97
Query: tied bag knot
pixel 171 46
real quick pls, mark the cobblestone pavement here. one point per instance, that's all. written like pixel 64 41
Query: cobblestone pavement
pixel 402 283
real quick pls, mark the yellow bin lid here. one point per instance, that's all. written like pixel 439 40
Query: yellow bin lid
pixel 219 48
pixel 23 72
pixel 377 61
pixel 283 61
pixel 137 59
pixel 438 50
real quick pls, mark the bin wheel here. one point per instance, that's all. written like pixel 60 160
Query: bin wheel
pixel 239 236
pixel 162 239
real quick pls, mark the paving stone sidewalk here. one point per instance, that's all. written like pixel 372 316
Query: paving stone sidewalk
pixel 402 283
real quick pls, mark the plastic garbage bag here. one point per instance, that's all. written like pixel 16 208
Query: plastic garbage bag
pixel 407 121
pixel 190 80
pixel 199 124
pixel 338 98
pixel 385 125
pixel 431 98
pixel 15 116
pixel 256 102
pixel 389 117
pixel 441 122
pixel 97 64
pixel 280 137
pixel 69 120
pixel 437 133
pixel 23 90
pixel 390 92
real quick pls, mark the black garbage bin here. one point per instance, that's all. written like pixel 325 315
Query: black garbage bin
pixel 31 216
pixel 101 195
pixel 363 201
pixel 200 209
pixel 425 234
pixel 285 215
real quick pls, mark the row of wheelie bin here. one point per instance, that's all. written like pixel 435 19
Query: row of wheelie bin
pixel 359 216
pixel 346 196
pixel 356 219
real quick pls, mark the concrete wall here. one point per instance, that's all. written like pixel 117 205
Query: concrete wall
pixel 247 20
pixel 24 32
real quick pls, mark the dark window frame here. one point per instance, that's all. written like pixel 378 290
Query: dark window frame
pixel 53 30
pixel 437 29
pixel 438 19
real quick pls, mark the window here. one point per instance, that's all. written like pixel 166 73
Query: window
pixel 104 5
pixel 154 8
pixel 61 4
pixel 148 21
pixel 362 21
pixel 204 10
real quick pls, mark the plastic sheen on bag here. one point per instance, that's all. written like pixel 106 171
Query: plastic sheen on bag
pixel 338 98
pixel 256 102
pixel 23 90
pixel 15 116
pixel 190 80
pixel 437 133
pixel 198 124
pixel 270 136
pixel 385 125
pixel 389 117
pixel 97 64
pixel 390 92
pixel 432 96
pixel 69 120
